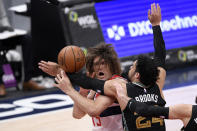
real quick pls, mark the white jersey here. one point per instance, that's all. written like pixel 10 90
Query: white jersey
pixel 109 120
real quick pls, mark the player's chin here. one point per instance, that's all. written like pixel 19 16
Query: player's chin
pixel 100 77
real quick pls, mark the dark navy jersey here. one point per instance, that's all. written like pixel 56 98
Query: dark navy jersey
pixel 192 125
pixel 151 96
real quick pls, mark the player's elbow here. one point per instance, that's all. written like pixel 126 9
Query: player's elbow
pixel 76 116
pixel 94 112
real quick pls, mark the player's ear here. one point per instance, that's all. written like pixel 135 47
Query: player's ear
pixel 137 75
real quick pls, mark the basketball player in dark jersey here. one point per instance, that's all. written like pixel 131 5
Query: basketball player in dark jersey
pixel 147 77
pixel 185 112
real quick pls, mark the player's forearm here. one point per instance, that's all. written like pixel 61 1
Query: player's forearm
pixel 77 112
pixel 123 101
pixel 83 103
pixel 147 110
pixel 180 111
pixel 100 86
pixel 159 46
pixel 87 82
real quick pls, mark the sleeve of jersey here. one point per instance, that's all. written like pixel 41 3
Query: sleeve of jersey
pixel 146 110
pixel 85 82
pixel 159 47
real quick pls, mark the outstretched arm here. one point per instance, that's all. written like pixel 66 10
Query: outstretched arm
pixel 154 16
pixel 51 68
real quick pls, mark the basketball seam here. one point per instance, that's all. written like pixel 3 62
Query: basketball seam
pixel 83 55
pixel 64 60
pixel 74 59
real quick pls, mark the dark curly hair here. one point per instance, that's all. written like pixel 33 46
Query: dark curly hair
pixel 106 52
pixel 147 69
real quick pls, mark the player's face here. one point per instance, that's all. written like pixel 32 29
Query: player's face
pixel 132 71
pixel 101 69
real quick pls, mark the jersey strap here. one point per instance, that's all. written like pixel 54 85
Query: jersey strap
pixel 115 76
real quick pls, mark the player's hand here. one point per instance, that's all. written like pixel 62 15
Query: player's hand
pixel 49 67
pixel 120 90
pixel 63 82
pixel 114 83
pixel 154 15
pixel 91 95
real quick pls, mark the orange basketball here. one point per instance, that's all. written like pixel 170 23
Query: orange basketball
pixel 71 58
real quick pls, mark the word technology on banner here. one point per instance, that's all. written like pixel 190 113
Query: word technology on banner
pixel 125 24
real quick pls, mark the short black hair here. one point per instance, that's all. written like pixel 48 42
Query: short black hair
pixel 147 69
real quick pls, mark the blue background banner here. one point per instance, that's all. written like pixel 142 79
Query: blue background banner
pixel 125 24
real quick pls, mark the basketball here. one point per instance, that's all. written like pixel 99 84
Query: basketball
pixel 71 59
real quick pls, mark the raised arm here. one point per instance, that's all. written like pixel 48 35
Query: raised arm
pixel 154 16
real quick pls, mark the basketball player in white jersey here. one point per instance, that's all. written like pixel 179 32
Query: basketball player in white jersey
pixel 102 63
pixel 106 115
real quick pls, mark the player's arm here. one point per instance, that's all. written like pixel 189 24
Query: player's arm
pixel 181 111
pixel 51 68
pixel 90 83
pixel 91 107
pixel 78 113
pixel 154 17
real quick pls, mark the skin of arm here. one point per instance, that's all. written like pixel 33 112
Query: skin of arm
pixel 77 112
pixel 109 86
pixel 182 112
pixel 121 95
pixel 51 68
pixel 92 108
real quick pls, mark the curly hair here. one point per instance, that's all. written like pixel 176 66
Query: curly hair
pixel 147 69
pixel 106 52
